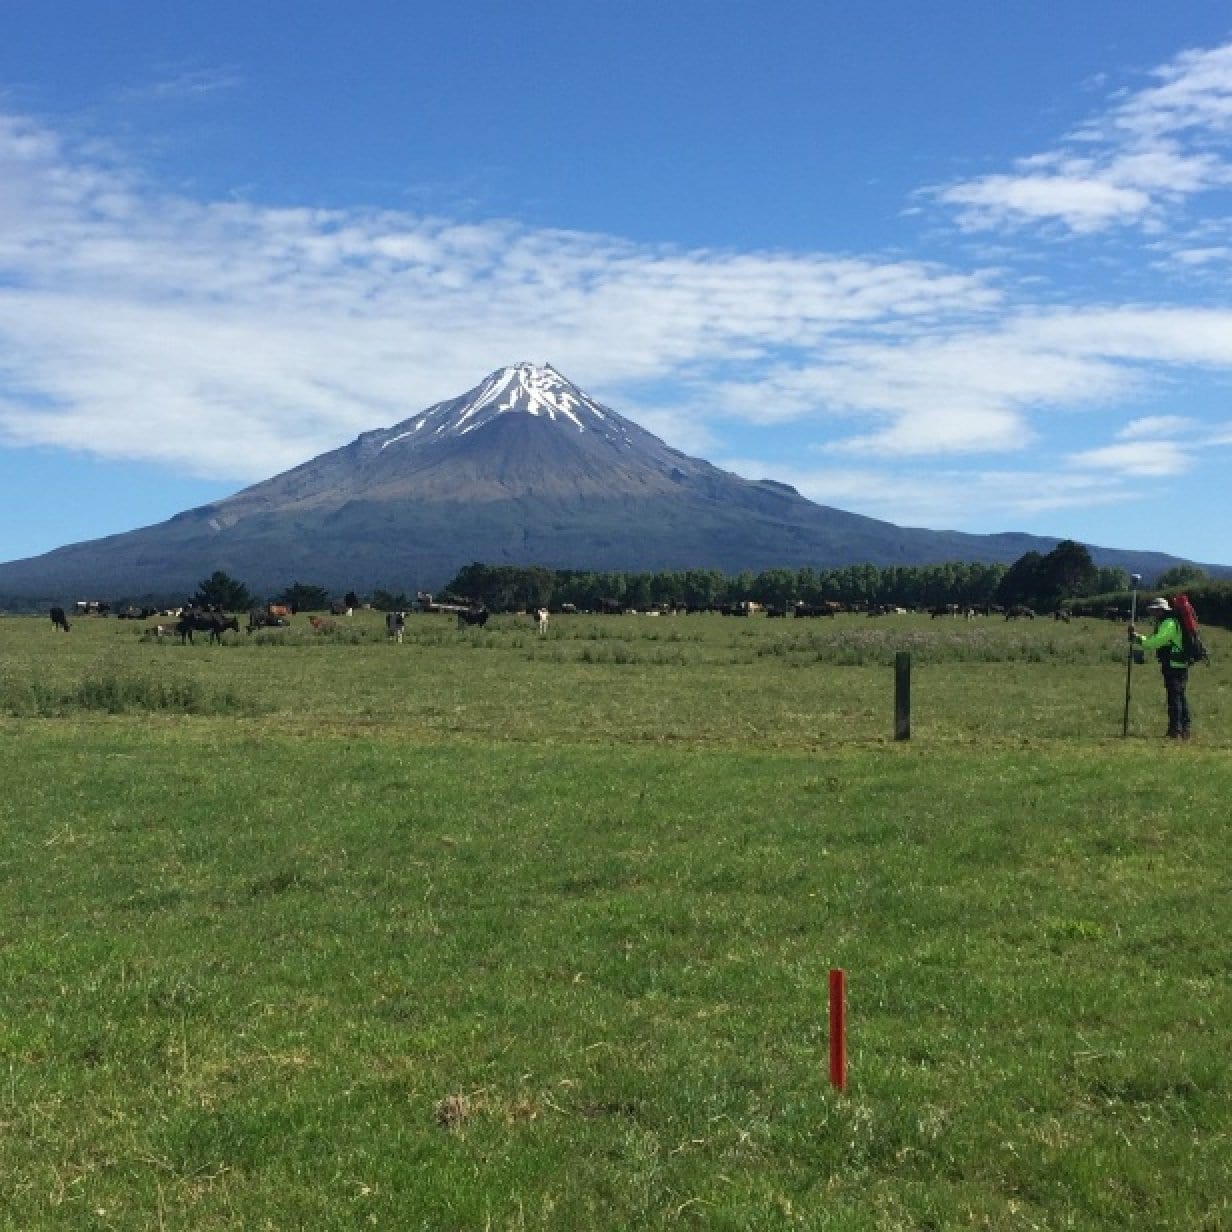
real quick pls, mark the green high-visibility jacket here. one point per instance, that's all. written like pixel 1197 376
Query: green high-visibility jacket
pixel 1167 634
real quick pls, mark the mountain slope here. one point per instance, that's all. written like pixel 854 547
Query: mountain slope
pixel 523 469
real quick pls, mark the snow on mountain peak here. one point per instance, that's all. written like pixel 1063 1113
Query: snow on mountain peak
pixel 528 388
pixel 533 389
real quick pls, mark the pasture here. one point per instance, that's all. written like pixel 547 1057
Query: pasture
pixel 499 930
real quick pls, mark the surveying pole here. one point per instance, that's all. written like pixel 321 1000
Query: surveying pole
pixel 1135 580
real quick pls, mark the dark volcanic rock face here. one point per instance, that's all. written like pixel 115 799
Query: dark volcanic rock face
pixel 523 469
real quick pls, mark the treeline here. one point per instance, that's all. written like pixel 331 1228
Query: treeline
pixel 516 587
pixel 1066 576
pixel 1040 581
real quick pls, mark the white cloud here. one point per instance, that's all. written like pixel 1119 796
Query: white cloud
pixel 1156 425
pixel 288 330
pixel 1203 256
pixel 188 83
pixel 233 341
pixel 1084 205
pixel 960 391
pixel 1152 150
pixel 1195 94
pixel 1155 458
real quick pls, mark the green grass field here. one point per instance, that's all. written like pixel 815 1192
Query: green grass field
pixel 490 930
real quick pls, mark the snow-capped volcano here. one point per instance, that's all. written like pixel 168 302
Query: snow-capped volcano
pixel 523 469
pixel 525 388
pixel 524 430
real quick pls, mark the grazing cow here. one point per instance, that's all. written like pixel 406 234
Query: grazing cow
pixel 472 616
pixel 213 623
pixel 219 624
pixel 59 619
pixel 1020 611
pixel 541 620
pixel 321 625
pixel 339 607
pixel 258 619
pixel 279 611
pixel 395 624
pixel 804 610
pixel 1061 614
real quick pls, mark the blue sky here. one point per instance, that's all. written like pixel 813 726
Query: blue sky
pixel 959 265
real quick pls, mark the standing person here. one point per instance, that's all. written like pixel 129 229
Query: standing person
pixel 1167 645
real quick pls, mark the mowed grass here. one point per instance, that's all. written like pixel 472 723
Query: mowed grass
pixel 489 930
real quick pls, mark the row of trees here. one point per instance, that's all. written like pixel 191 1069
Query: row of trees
pixel 507 587
pixel 1038 580
pixel 1042 581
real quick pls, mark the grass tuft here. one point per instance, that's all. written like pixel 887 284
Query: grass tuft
pixel 116 691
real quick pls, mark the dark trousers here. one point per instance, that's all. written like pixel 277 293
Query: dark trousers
pixel 1175 680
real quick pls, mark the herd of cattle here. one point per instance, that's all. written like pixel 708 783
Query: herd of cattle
pixel 190 620
pixel 187 621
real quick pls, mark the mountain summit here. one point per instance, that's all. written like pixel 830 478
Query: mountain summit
pixel 523 469
pixel 526 389
pixel 524 431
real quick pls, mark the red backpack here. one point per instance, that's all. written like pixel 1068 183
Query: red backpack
pixel 1192 648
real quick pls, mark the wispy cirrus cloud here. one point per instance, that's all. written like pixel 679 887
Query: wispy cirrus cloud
pixel 186 83
pixel 1151 426
pixel 1151 150
pixel 132 316
pixel 1154 458
pixel 965 389
pixel 232 340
